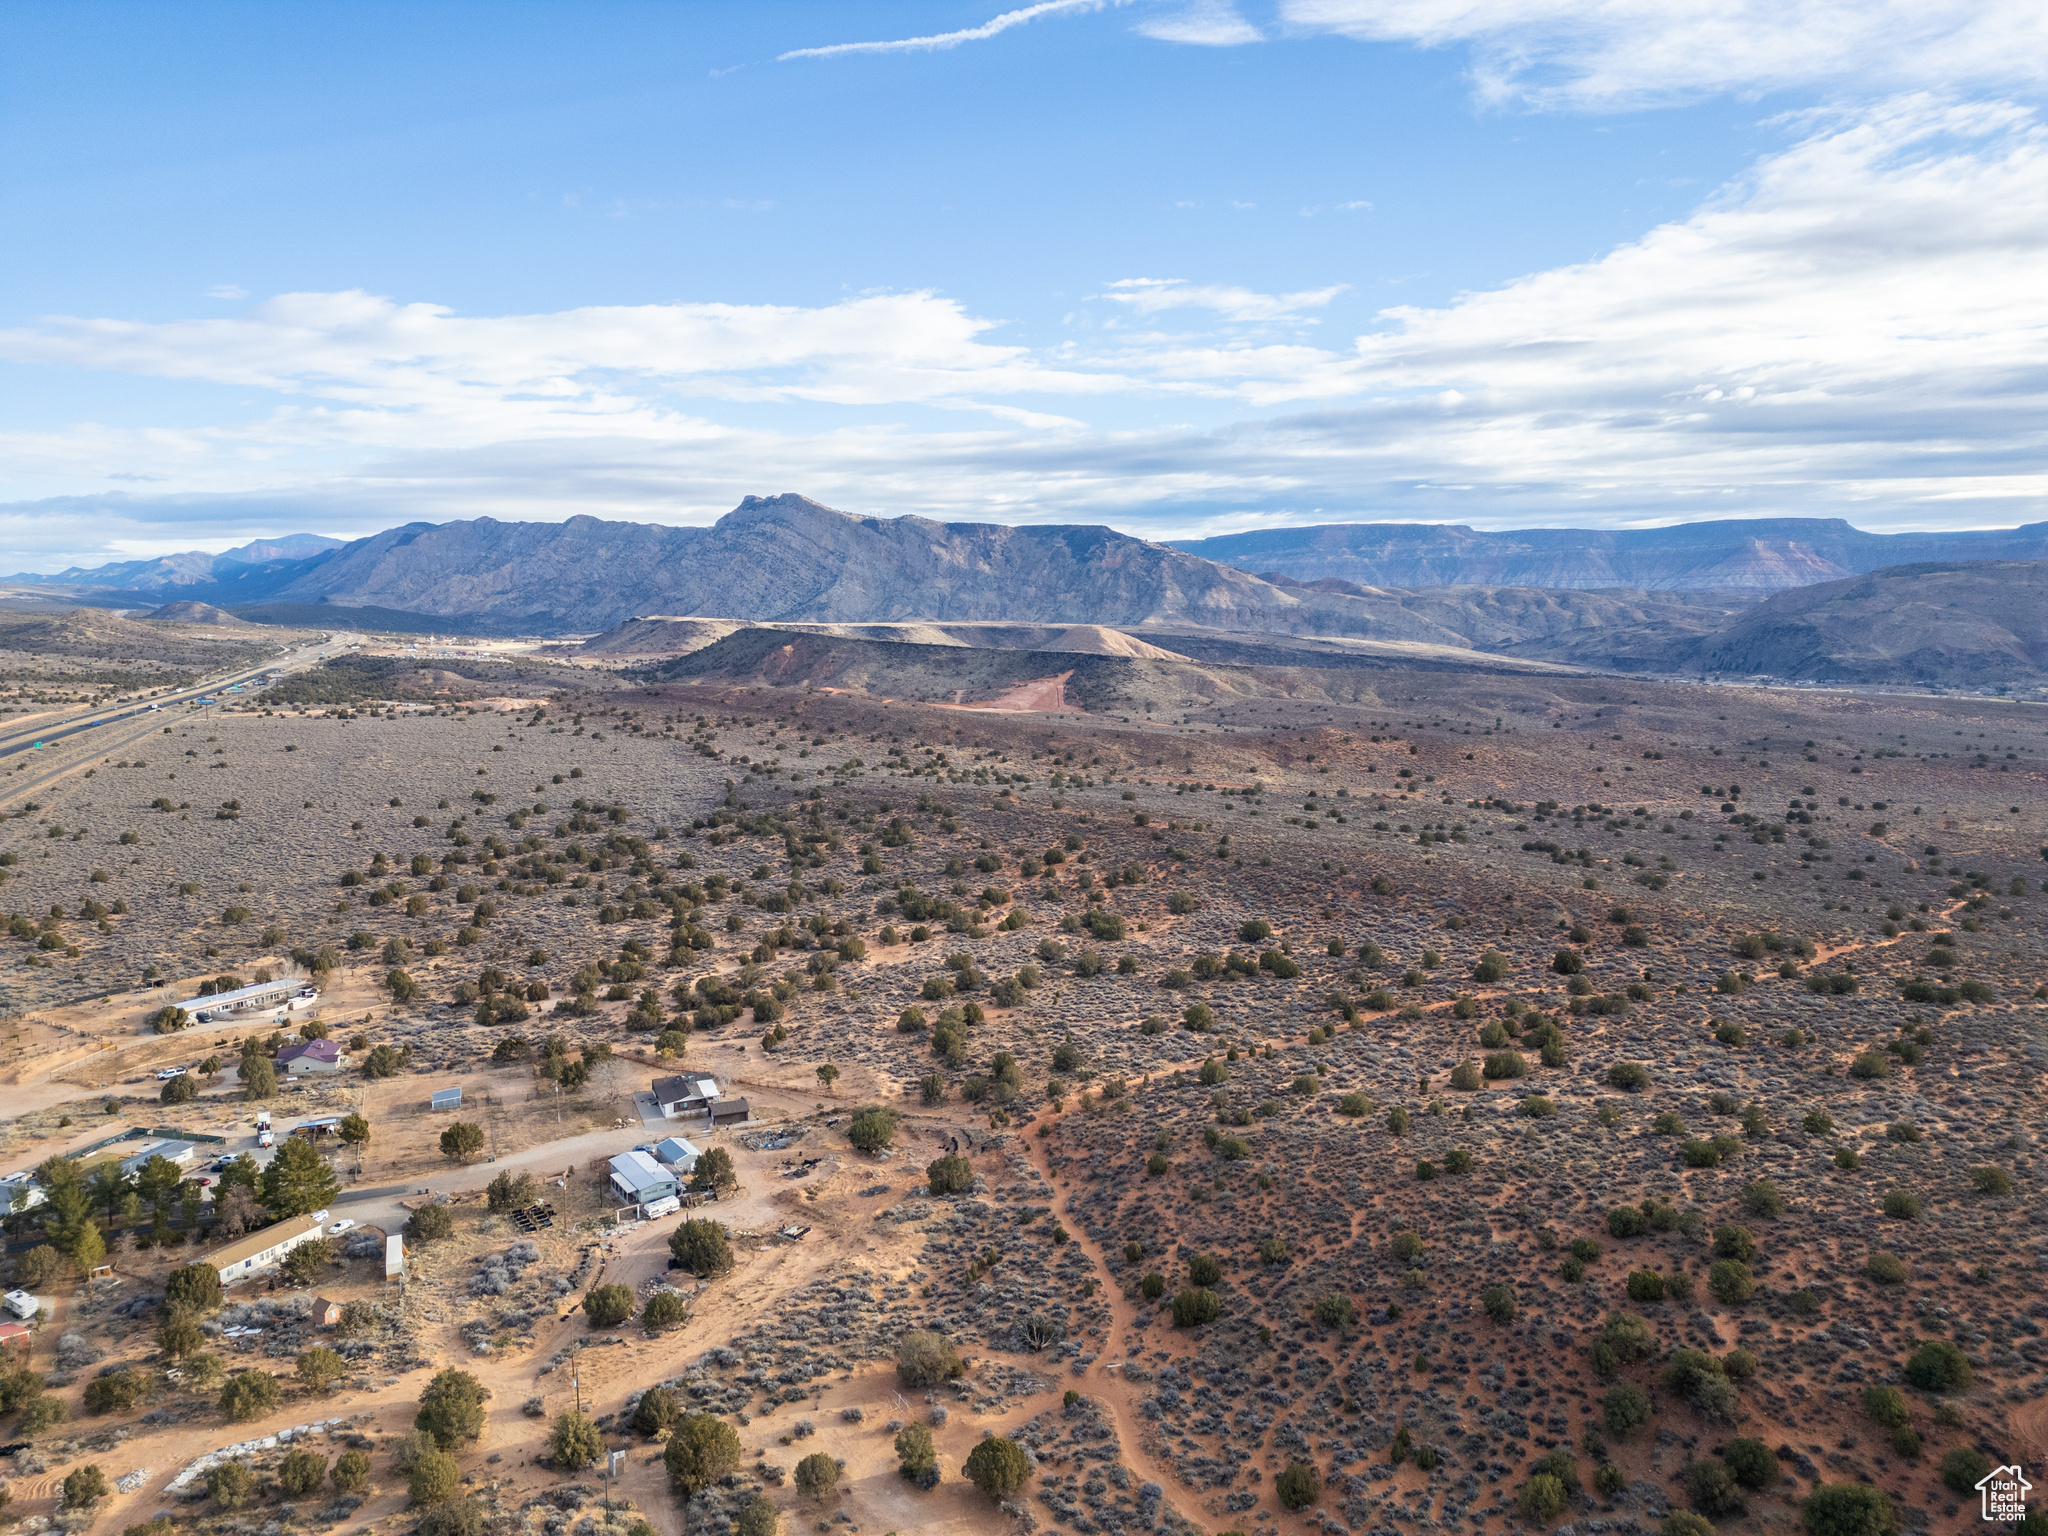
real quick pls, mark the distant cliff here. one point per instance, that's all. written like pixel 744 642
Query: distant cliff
pixel 1761 556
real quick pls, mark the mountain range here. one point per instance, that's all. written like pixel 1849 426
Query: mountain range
pixel 1757 557
pixel 192 568
pixel 1790 598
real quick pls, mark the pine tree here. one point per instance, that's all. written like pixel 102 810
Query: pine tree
pixel 298 1181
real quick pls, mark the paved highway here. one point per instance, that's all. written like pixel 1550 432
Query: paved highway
pixel 65 744
pixel 38 734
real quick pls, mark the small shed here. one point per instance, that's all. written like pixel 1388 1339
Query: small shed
pixel 394 1260
pixel 447 1098
pixel 677 1153
pixel 15 1334
pixel 325 1313
pixel 731 1112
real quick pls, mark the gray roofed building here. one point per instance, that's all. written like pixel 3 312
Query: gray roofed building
pixel 640 1180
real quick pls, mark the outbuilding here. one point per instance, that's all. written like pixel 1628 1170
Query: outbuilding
pixel 677 1153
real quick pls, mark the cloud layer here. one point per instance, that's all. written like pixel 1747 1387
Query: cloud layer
pixel 1606 53
pixel 1859 327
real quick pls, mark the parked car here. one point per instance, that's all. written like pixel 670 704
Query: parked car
pixel 342 1225
pixel 170 1072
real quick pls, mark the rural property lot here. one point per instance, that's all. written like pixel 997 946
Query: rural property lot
pixel 1486 1102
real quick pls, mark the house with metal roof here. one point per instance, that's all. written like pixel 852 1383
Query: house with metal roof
pixel 261 1250
pixel 183 1153
pixel 688 1093
pixel 288 992
pixel 640 1180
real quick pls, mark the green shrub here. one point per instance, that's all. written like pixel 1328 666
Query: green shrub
pixel 1702 1381
pixel 1751 1463
pixel 1195 1306
pixel 1499 1303
pixel 1334 1310
pixel 1626 1221
pixel 872 1128
pixel 1625 1408
pixel 248 1395
pixel 1884 1269
pixel 702 1248
pixel 1990 1180
pixel 1542 1498
pixel 1298 1486
pixel 1711 1490
pixel 452 1409
pixel 1734 1242
pixel 1502 1065
pixel 997 1467
pixel 1938 1366
pixel 1645 1285
pixel 924 1359
pixel 1628 1076
pixel 1763 1198
pixel 915 1453
pixel 1962 1469
pixel 1848 1509
pixel 1902 1205
pixel 1731 1282
pixel 816 1475
pixel 607 1306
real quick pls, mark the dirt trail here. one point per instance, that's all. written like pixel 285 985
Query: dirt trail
pixel 2030 1429
pixel 1043 695
pixel 1120 1397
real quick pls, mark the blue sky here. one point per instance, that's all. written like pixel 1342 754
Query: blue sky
pixel 1178 267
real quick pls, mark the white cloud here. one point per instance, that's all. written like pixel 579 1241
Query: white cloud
pixel 1208 23
pixel 1606 53
pixel 1859 327
pixel 939 41
pixel 1152 295
pixel 227 291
